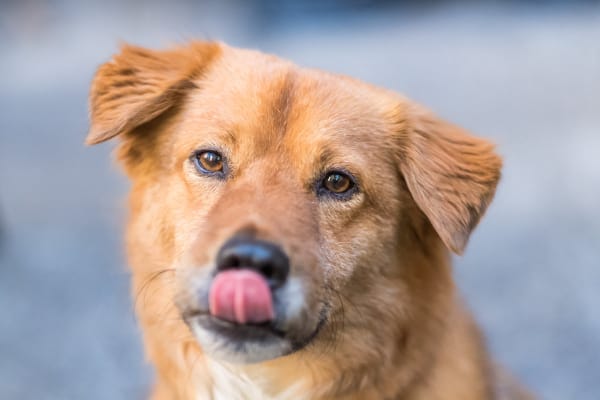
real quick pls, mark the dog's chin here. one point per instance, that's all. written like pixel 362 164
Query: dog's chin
pixel 240 344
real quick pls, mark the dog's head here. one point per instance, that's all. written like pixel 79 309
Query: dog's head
pixel 293 206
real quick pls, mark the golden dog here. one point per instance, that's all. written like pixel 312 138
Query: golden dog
pixel 290 230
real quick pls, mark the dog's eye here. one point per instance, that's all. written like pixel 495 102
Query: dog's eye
pixel 337 183
pixel 208 161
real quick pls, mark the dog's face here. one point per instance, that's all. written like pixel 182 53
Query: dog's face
pixel 291 204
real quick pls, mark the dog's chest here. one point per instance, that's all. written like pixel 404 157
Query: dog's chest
pixel 228 384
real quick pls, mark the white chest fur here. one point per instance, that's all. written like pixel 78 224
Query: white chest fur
pixel 230 383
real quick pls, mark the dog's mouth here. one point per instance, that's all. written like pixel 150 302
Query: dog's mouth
pixel 233 331
pixel 240 319
pixel 249 342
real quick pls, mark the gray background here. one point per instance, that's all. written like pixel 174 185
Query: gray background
pixel 526 75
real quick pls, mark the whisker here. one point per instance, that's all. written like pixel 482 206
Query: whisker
pixel 146 284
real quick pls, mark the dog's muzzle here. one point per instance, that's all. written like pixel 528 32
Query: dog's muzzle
pixel 247 272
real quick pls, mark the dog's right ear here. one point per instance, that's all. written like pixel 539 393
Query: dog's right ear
pixel 139 84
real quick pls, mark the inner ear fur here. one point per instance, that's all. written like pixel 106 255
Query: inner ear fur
pixel 138 85
pixel 451 175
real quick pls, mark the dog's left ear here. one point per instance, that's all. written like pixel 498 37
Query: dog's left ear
pixel 451 175
pixel 139 85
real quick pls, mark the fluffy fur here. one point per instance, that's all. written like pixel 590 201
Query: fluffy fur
pixel 375 269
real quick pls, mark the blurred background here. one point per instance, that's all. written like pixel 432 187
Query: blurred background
pixel 524 73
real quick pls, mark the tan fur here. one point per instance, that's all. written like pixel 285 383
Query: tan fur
pixel 396 328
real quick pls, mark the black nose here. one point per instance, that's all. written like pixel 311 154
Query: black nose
pixel 258 255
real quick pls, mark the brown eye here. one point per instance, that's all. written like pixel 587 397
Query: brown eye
pixel 337 182
pixel 208 161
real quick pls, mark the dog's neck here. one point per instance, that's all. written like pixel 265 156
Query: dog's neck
pixel 290 379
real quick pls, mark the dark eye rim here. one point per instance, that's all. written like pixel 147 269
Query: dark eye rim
pixel 194 158
pixel 322 191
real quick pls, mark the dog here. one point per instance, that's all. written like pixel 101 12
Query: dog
pixel 291 230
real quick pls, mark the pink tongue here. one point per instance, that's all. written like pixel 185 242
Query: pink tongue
pixel 242 296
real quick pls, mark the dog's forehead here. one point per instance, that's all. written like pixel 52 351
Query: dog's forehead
pixel 262 102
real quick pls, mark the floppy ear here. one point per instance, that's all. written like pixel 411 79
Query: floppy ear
pixel 139 84
pixel 451 175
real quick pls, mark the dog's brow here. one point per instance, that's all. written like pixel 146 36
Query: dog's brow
pixel 283 104
pixel 325 157
pixel 229 135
